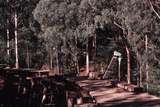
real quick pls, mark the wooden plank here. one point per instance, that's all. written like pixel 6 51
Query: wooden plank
pixel 107 96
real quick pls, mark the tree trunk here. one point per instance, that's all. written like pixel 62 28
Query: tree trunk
pixel 77 64
pixel 140 69
pixel 57 61
pixel 51 57
pixel 16 41
pixel 8 44
pixel 28 58
pixel 128 66
pixel 94 53
pixel 147 66
pixel 76 57
pixel 87 58
pixel 119 68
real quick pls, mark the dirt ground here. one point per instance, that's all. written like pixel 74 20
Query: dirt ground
pixel 108 96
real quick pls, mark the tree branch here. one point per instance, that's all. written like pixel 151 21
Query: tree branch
pixel 115 23
pixel 154 9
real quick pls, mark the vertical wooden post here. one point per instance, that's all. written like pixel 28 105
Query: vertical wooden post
pixel 16 40
pixel 128 66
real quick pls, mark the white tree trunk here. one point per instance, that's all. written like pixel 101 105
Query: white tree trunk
pixel 147 66
pixel 16 40
pixel 128 66
pixel 87 58
pixel 8 44
pixel 87 63
pixel 119 68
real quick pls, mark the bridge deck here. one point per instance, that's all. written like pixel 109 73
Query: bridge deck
pixel 108 96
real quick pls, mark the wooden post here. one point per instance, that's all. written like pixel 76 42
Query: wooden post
pixel 16 40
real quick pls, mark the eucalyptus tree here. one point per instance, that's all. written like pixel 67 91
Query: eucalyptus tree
pixel 140 20
pixel 55 17
pixel 4 28
pixel 76 19
pixel 141 23
pixel 20 24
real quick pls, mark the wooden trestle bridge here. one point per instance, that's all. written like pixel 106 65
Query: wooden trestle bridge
pixel 19 88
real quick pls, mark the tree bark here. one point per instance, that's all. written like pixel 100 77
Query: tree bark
pixel 16 40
